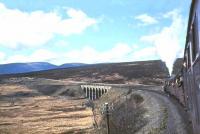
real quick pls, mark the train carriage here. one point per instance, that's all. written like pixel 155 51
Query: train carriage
pixel 191 68
pixel 174 87
pixel 185 86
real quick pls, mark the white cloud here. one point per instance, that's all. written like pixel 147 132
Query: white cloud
pixel 135 47
pixel 121 52
pixel 87 54
pixel 61 43
pixel 148 53
pixel 37 56
pixel 168 41
pixel 38 27
pixel 146 19
pixel 2 56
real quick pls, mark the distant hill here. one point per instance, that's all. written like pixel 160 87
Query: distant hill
pixel 67 65
pixel 106 72
pixel 177 66
pixel 15 68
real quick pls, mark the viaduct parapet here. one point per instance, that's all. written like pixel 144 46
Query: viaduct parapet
pixel 93 92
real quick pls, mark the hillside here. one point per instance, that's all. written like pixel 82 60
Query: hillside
pixel 177 66
pixel 67 65
pixel 15 68
pixel 106 73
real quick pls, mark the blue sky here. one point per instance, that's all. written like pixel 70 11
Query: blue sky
pixel 91 31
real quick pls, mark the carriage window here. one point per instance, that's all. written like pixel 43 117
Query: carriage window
pixel 185 63
pixel 186 54
pixel 188 57
pixel 199 22
pixel 195 46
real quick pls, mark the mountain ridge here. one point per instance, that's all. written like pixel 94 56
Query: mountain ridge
pixel 16 68
pixel 146 72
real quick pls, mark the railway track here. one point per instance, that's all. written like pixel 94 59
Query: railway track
pixel 164 113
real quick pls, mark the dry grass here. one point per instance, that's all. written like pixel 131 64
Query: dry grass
pixel 41 113
pixel 113 73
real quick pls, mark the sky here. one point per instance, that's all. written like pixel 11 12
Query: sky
pixel 91 31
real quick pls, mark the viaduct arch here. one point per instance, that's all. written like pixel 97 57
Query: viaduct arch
pixel 93 92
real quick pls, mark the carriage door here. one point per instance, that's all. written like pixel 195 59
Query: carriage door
pixel 186 83
pixel 190 84
pixel 196 62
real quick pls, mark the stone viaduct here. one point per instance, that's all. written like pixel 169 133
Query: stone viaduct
pixel 93 92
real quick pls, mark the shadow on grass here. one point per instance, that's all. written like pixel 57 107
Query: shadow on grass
pixel 127 117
